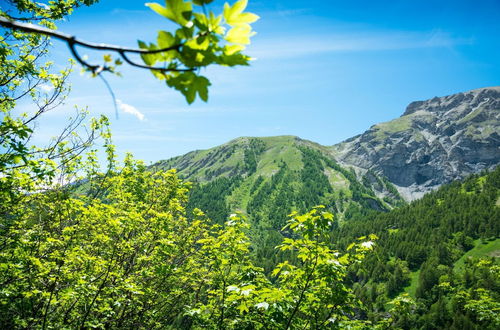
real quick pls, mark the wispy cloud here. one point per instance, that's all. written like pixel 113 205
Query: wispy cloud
pixel 127 108
pixel 303 45
pixel 292 12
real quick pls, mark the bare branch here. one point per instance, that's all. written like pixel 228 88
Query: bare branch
pixel 126 59
pixel 71 41
pixel 27 27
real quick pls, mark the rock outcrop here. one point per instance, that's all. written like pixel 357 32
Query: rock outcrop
pixel 432 143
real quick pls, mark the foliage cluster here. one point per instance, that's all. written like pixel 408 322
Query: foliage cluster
pixel 85 248
pixel 206 39
pixel 124 254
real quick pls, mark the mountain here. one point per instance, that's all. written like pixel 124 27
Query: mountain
pixel 432 143
pixel 273 175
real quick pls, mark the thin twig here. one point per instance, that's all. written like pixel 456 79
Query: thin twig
pixel 112 94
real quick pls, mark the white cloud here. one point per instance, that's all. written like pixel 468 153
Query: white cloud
pixel 46 88
pixel 127 108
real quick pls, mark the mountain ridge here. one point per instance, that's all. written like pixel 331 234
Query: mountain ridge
pixel 433 142
pixel 252 174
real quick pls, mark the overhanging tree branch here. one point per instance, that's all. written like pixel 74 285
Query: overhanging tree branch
pixel 72 42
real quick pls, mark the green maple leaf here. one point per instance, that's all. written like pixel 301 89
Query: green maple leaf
pixel 177 11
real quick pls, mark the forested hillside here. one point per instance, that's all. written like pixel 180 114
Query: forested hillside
pixel 421 260
pixel 421 250
pixel 262 176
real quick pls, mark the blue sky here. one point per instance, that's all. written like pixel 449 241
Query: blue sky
pixel 325 71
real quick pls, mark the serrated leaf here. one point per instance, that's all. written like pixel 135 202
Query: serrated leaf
pixel 234 15
pixel 240 34
pixel 148 59
pixel 246 18
pixel 201 84
pixel 201 19
pixel 235 59
pixel 182 11
pixel 158 74
pixel 215 20
pixel 243 308
pixel 165 39
pixel 184 33
pixel 231 12
pixel 239 6
pixel 189 85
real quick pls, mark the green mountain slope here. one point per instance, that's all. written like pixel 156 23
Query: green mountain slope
pixel 430 249
pixel 434 142
pixel 265 176
pixel 424 247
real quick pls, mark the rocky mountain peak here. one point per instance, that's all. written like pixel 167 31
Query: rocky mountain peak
pixel 432 143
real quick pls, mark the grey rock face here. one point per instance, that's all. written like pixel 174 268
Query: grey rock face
pixel 432 143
